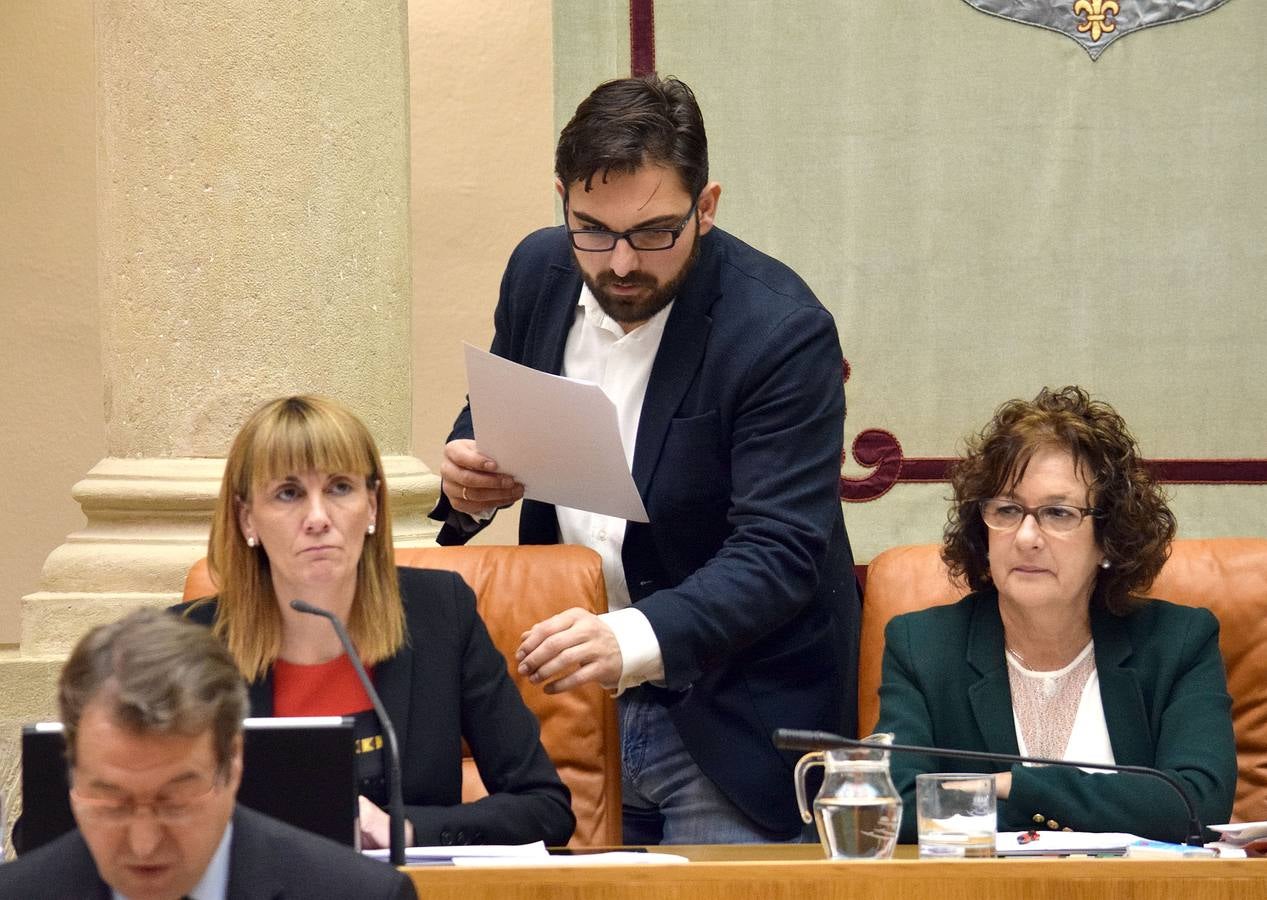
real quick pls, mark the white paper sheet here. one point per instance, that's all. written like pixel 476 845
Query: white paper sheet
pixel 523 853
pixel 1241 832
pixel 534 854
pixel 609 858
pixel 558 436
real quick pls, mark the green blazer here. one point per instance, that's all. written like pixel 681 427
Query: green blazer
pixel 945 684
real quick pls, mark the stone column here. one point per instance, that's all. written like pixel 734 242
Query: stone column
pixel 253 241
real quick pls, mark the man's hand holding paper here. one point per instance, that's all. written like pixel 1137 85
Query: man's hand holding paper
pixel 471 480
pixel 559 436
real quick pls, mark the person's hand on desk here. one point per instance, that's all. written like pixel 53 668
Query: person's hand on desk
pixel 376 827
pixel 575 644
pixel 1256 849
pixel 1002 785
pixel 471 481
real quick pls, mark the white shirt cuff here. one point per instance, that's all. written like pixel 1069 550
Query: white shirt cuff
pixel 640 656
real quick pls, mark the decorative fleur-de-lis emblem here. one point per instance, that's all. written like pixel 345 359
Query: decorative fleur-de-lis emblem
pixel 1099 16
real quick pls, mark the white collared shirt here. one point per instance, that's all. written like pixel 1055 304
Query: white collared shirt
pixel 599 350
pixel 214 884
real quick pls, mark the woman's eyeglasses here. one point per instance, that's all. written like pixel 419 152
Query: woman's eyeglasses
pixel 1053 518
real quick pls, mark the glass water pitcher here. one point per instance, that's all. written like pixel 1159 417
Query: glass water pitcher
pixel 857 810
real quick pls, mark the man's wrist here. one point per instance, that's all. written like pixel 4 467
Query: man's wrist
pixel 640 656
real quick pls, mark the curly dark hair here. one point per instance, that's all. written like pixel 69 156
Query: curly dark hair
pixel 630 122
pixel 1135 526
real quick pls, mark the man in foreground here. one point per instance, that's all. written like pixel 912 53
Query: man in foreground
pixel 734 611
pixel 152 708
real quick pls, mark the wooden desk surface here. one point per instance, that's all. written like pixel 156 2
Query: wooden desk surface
pixel 781 872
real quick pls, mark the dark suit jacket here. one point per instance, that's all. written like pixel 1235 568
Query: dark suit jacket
pixel 745 571
pixel 268 860
pixel 945 684
pixel 449 682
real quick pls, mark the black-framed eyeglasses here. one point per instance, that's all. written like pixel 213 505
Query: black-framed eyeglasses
pixel 598 240
pixel 1054 518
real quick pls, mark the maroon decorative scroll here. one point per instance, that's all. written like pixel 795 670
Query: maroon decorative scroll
pixel 641 37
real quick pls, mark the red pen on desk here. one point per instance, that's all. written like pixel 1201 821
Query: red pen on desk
pixel 1027 837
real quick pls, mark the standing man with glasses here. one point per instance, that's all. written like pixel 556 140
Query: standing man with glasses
pixel 734 611
pixel 152 707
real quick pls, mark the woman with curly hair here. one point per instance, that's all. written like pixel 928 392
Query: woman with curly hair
pixel 1058 528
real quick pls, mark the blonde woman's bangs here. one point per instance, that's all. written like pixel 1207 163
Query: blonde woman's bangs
pixel 294 443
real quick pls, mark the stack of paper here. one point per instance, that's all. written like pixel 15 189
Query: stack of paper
pixel 534 854
pixel 603 858
pixel 1239 838
pixel 432 856
pixel 1062 843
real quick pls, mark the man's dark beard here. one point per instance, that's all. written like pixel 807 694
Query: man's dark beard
pixel 638 309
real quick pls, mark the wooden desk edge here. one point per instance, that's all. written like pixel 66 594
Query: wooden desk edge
pixel 799 877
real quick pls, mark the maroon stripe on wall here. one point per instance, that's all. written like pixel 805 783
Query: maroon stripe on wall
pixel 642 37
pixel 880 453
pixel 934 468
pixel 1209 471
pixel 1171 471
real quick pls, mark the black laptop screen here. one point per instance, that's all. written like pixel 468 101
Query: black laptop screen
pixel 299 770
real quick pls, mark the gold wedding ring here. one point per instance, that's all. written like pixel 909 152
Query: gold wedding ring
pixel 464 497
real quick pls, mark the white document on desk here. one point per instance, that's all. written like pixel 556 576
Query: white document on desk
pixel 608 858
pixel 558 436
pixel 421 856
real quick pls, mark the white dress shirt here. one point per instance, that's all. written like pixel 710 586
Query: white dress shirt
pixel 599 350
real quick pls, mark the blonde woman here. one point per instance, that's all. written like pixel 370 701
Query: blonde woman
pixel 303 514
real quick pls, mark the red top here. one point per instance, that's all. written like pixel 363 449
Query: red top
pixel 325 689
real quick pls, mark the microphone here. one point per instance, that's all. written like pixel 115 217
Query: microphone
pixel 796 739
pixel 395 802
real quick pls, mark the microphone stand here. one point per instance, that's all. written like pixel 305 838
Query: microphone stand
pixel 795 739
pixel 395 802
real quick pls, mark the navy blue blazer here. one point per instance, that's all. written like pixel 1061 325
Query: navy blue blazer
pixel 268 860
pixel 744 571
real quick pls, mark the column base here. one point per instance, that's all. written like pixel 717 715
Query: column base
pixel 148 522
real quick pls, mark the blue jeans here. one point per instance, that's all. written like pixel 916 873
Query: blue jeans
pixel 667 799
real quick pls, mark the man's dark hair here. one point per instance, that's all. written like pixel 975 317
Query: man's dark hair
pixel 157 674
pixel 630 122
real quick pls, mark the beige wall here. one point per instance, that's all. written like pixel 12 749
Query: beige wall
pixel 482 138
pixel 485 109
pixel 51 424
pixel 483 145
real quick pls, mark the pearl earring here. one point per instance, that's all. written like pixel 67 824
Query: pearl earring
pixel 370 529
pixel 250 542
pixel 1104 564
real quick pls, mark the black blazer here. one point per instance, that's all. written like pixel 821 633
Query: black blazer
pixel 945 684
pixel 745 571
pixel 268 860
pixel 448 683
